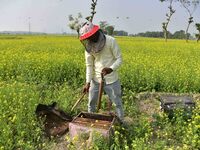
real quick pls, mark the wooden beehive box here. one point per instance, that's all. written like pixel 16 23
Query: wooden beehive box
pixel 170 102
pixel 89 122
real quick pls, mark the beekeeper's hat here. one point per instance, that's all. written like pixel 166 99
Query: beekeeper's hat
pixel 87 30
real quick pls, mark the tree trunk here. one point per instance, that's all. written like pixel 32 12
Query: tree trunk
pixel 78 34
pixel 168 20
pixel 165 35
pixel 186 32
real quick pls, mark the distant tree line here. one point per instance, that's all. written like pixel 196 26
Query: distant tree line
pixel 110 29
pixel 120 33
pixel 158 34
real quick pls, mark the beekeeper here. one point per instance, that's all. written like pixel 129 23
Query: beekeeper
pixel 102 56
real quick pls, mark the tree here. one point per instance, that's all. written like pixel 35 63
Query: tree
pixel 75 23
pixel 190 6
pixel 157 34
pixel 93 12
pixel 168 19
pixel 180 34
pixel 110 30
pixel 154 34
pixel 106 28
pixel 121 33
pixel 198 28
pixel 103 25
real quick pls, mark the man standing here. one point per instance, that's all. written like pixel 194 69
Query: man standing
pixel 103 57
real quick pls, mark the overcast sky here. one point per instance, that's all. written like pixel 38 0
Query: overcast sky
pixel 52 15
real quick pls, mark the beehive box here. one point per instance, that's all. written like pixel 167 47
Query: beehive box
pixel 169 103
pixel 89 122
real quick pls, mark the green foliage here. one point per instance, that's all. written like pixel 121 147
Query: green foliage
pixel 120 33
pixel 106 28
pixel 110 30
pixel 198 29
pixel 103 25
pixel 197 26
pixel 180 34
pixel 161 133
pixel 19 127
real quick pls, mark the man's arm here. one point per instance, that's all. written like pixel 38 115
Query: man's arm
pixel 117 54
pixel 89 66
pixel 89 71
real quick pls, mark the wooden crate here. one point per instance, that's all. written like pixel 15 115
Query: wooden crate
pixel 89 122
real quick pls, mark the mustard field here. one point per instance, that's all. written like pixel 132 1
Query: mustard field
pixel 41 69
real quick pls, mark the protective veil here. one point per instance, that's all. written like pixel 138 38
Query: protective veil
pixel 95 47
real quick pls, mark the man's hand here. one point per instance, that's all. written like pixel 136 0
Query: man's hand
pixel 86 88
pixel 106 71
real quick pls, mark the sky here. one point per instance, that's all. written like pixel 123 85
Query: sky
pixel 51 16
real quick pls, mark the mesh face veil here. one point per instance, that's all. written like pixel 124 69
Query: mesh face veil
pixel 95 47
pixel 89 32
